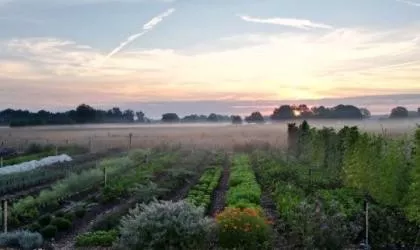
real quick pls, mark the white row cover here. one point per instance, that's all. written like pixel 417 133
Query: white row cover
pixel 30 165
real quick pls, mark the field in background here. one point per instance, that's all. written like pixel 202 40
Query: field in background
pixel 106 136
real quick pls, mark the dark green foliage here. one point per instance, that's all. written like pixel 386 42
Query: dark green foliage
pixel 70 216
pixel 45 219
pixel 34 227
pixel 61 224
pixel 49 231
pixel 97 239
pixel 59 213
pixel 80 212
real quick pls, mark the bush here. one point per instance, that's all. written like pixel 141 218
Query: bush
pixel 34 148
pixel 45 219
pixel 34 227
pixel 243 229
pixel 97 239
pixel 21 239
pixel 59 214
pixel 61 223
pixel 80 212
pixel 69 216
pixel 165 225
pixel 49 231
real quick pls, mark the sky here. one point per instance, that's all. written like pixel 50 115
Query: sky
pixel 191 55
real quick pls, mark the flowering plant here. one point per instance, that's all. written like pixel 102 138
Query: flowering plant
pixel 243 228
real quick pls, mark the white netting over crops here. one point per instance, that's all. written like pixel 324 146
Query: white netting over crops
pixel 29 165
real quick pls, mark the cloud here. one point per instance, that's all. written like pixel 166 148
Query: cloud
pixel 291 22
pixel 416 4
pixel 285 66
pixel 146 28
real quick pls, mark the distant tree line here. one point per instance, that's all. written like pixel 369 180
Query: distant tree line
pixel 86 114
pixel 81 115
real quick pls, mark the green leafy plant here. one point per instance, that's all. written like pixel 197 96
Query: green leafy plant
pixel 49 231
pixel 97 239
pixel 165 225
pixel 61 224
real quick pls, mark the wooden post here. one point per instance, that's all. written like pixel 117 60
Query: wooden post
pixel 130 139
pixel 4 210
pixel 56 150
pixel 105 177
pixel 90 144
pixel 1 161
pixel 367 225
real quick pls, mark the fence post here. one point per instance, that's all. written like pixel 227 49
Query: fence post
pixel 105 177
pixel 130 138
pixel 56 150
pixel 4 210
pixel 367 224
pixel 1 161
pixel 90 144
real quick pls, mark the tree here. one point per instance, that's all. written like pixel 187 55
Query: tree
pixel 170 117
pixel 85 113
pixel 128 115
pixel 284 112
pixel 236 119
pixel 213 118
pixel 140 117
pixel 365 113
pixel 399 112
pixel 346 112
pixel 255 117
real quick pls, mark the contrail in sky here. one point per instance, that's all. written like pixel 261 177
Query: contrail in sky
pixel 146 28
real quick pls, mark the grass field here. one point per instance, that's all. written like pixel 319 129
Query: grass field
pixel 225 136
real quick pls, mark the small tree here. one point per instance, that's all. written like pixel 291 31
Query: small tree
pixel 236 119
pixel 255 117
pixel 170 117
pixel 399 112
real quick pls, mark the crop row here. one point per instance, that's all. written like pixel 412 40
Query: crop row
pixel 28 208
pixel 244 191
pixel 173 176
pixel 11 183
pixel 200 194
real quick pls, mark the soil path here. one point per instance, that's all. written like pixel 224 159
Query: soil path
pixel 219 194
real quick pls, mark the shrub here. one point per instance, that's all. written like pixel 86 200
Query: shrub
pixel 34 148
pixel 80 212
pixel 21 239
pixel 243 229
pixel 44 219
pixel 61 223
pixel 165 225
pixel 49 231
pixel 69 216
pixel 34 227
pixel 97 239
pixel 59 214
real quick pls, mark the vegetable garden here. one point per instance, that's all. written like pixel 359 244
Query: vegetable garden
pixel 328 190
